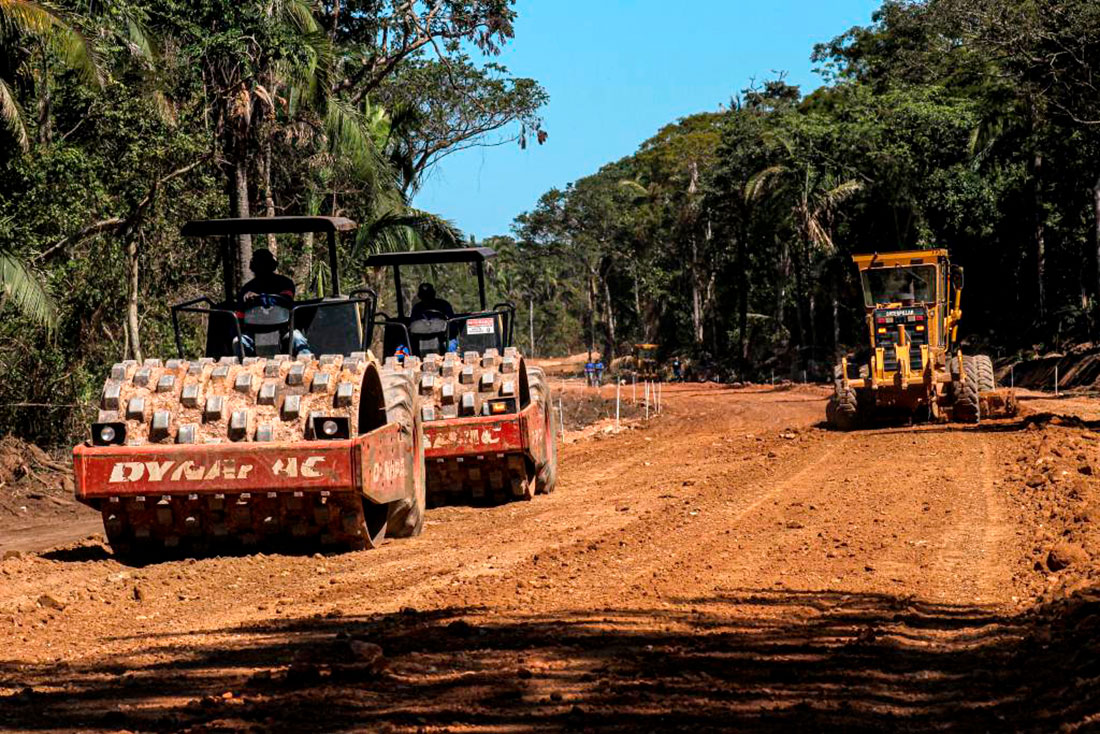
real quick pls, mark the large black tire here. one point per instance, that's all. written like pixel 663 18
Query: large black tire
pixel 406 517
pixel 966 391
pixel 546 475
pixel 987 379
pixel 842 412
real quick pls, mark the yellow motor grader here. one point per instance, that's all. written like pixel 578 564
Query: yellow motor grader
pixel 915 367
pixel 645 361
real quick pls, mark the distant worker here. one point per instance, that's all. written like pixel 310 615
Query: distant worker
pixel 428 301
pixel 677 370
pixel 590 373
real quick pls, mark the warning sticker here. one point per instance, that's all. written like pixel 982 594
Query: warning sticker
pixel 480 326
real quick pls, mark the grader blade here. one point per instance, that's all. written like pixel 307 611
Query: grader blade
pixel 999 404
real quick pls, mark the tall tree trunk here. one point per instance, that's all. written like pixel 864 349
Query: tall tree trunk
pixel 269 199
pixel 836 326
pixel 708 302
pixel 305 264
pixel 799 322
pixel 132 320
pixel 45 118
pixel 609 335
pixel 742 302
pixel 591 313
pixel 531 321
pixel 638 306
pixel 696 296
pixel 783 277
pixel 240 206
pixel 1096 225
pixel 813 330
pixel 1040 236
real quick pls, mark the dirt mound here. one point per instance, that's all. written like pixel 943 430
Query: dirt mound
pixel 583 409
pixel 34 486
pixel 18 459
pixel 1077 369
pixel 1054 480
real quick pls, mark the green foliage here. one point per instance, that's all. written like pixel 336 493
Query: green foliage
pixel 201 109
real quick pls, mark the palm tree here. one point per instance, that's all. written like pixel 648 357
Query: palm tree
pixel 816 197
pixel 27 25
pixel 20 286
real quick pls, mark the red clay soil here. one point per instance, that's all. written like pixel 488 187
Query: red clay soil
pixel 36 499
pixel 730 566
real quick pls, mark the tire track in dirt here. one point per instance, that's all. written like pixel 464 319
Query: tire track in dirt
pixel 909 511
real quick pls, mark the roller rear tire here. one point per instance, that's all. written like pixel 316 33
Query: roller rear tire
pixel 406 516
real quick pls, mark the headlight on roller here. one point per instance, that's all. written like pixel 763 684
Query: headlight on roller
pixel 501 407
pixel 331 428
pixel 108 434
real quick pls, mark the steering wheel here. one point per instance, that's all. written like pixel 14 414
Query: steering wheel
pixel 267 312
pixel 432 315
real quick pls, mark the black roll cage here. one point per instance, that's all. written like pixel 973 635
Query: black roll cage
pixel 475 255
pixel 229 229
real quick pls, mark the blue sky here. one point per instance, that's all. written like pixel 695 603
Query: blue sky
pixel 616 72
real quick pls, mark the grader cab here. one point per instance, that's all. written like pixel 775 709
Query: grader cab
pixel 914 366
pixel 647 365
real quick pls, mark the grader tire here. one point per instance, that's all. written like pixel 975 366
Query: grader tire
pixel 406 516
pixel 967 390
pixel 842 411
pixel 546 475
pixel 987 379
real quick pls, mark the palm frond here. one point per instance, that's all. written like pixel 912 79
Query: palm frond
pixel 818 235
pixel 137 37
pixel 639 191
pixel 758 182
pixel 408 229
pixel 12 116
pixel 25 17
pixel 351 138
pixel 776 138
pixel 22 287
pixel 299 13
pixel 838 194
pixel 76 52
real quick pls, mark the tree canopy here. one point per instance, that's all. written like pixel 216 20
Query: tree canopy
pixel 124 119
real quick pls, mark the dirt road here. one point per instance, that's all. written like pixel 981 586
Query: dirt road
pixel 731 565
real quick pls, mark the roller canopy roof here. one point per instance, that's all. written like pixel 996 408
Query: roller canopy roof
pixel 432 257
pixel 266 225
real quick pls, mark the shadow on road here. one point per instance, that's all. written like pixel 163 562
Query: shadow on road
pixel 744 660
